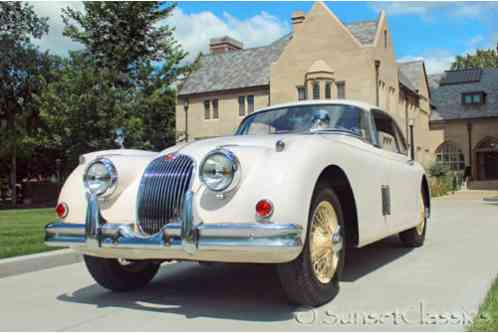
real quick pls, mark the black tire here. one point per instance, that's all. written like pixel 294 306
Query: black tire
pixel 411 237
pixel 112 275
pixel 297 277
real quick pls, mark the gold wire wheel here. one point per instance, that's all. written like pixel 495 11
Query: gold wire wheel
pixel 421 225
pixel 325 242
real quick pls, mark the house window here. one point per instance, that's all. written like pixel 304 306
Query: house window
pixel 451 156
pixel 242 106
pixel 207 111
pixel 301 93
pixel 328 90
pixel 341 90
pixel 385 39
pixel 474 98
pixel 316 90
pixel 216 114
pixel 250 104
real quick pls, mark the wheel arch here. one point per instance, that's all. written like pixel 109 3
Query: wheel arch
pixel 426 192
pixel 337 179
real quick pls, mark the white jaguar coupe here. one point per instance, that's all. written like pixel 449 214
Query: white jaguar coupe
pixel 295 186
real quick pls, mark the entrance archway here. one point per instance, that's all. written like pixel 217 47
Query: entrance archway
pixel 486 153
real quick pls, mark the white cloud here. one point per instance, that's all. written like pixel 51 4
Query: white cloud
pixel 474 10
pixel 54 40
pixel 193 31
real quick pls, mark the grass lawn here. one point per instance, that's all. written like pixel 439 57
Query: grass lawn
pixel 22 231
pixel 487 319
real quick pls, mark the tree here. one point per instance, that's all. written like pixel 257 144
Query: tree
pixel 122 35
pixel 22 70
pixel 481 59
pixel 122 79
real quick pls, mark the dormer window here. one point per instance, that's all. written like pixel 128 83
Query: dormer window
pixel 474 98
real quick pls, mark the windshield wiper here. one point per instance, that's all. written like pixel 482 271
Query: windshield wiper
pixel 341 130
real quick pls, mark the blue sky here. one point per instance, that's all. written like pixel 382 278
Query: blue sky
pixel 434 31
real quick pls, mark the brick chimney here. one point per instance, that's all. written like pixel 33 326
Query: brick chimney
pixel 224 44
pixel 297 19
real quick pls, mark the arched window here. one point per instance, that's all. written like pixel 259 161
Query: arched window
pixel 450 155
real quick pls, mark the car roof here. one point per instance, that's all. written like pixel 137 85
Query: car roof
pixel 367 107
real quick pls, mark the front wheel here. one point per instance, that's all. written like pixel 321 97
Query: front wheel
pixel 121 275
pixel 312 279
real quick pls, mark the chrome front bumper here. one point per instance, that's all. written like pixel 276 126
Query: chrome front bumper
pixel 226 242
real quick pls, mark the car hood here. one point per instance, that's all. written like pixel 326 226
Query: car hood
pixel 198 149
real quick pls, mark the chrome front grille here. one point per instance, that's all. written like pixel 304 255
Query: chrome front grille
pixel 162 191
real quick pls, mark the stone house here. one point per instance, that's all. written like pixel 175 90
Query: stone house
pixel 465 121
pixel 322 58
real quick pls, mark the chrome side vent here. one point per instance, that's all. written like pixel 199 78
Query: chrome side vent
pixel 162 191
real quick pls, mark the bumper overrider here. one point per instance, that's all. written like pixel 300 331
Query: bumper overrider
pixel 224 242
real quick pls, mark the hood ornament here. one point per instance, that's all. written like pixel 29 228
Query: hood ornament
pixel 120 137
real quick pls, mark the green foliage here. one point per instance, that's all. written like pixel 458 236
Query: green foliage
pixel 82 108
pixel 481 59
pixel 116 82
pixel 123 35
pixel 438 170
pixel 24 71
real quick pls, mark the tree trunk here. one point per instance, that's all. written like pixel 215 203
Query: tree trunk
pixel 11 128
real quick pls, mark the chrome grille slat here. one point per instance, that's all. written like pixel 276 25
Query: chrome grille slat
pixel 178 204
pixel 161 192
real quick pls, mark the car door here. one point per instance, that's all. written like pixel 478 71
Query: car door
pixel 400 193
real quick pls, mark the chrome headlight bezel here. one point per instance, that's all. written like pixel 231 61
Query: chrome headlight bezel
pixel 112 174
pixel 234 168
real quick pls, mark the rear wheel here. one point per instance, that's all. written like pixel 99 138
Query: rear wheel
pixel 415 236
pixel 119 274
pixel 312 279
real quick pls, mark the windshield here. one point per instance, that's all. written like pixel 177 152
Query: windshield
pixel 307 118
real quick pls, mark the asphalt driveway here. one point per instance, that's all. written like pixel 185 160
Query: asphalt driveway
pixel 385 286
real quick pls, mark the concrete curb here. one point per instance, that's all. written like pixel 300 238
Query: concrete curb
pixel 37 262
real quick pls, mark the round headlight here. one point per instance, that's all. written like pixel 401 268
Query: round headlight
pixel 220 170
pixel 101 177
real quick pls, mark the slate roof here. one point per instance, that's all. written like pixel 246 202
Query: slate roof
pixel 409 72
pixel 448 98
pixel 364 31
pixel 234 69
pixel 251 67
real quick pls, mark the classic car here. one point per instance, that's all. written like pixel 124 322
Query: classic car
pixel 296 186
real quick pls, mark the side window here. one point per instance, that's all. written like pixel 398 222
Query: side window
pixel 386 132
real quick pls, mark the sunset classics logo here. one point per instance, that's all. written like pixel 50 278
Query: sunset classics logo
pixel 417 315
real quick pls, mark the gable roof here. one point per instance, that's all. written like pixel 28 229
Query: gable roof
pixel 234 69
pixel 447 98
pixel 410 72
pixel 251 67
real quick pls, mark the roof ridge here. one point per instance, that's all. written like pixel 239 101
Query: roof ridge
pixel 361 21
pixel 251 48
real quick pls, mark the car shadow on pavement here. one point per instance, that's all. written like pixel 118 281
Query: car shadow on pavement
pixel 228 291
pixel 368 259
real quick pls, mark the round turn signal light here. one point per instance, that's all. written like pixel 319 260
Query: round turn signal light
pixel 264 208
pixel 61 210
